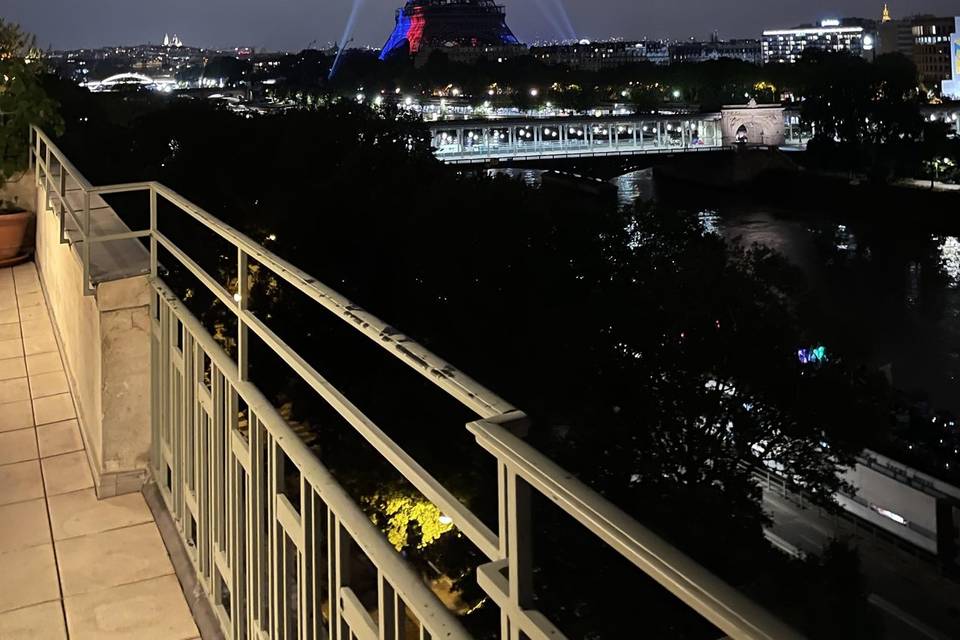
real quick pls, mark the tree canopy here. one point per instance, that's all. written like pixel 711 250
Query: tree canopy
pixel 23 100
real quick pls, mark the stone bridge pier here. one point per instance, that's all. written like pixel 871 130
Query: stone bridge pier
pixel 753 124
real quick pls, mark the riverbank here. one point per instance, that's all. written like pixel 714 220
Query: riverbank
pixel 775 178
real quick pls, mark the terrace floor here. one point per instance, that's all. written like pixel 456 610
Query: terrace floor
pixel 72 566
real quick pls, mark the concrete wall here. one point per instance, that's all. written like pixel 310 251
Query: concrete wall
pixel 105 342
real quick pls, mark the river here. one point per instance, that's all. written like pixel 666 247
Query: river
pixel 885 297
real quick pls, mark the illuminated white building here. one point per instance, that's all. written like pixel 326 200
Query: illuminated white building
pixel 788 45
pixel 951 88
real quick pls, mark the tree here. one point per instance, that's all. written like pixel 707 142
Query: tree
pixel 23 101
pixel 864 114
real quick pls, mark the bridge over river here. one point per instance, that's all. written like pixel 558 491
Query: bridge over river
pixel 532 138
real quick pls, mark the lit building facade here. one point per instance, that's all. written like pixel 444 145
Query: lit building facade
pixel 931 48
pixel 473 55
pixel 596 56
pixel 951 88
pixel 744 50
pixel 788 45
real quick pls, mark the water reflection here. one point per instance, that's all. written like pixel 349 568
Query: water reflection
pixel 530 177
pixel 886 296
pixel 637 185
pixel 950 255
pixel 710 221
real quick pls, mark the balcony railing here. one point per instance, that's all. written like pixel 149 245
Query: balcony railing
pixel 276 567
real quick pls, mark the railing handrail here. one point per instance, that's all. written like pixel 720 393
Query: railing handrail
pixel 714 599
pixel 701 590
pixel 414 592
pixel 472 394
pixel 446 377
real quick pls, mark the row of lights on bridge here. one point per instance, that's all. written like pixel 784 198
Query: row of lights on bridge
pixel 526 133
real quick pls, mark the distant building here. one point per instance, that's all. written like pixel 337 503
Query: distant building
pixel 924 39
pixel 597 56
pixel 472 55
pixel 951 88
pixel 894 36
pixel 931 49
pixel 854 35
pixel 448 23
pixel 743 50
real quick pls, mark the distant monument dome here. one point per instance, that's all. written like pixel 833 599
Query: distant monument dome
pixel 438 23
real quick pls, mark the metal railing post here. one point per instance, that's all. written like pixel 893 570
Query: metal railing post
pixel 85 247
pixel 36 155
pixel 519 548
pixel 153 231
pixel 242 297
pixel 46 179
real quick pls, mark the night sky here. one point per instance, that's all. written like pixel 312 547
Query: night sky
pixel 293 24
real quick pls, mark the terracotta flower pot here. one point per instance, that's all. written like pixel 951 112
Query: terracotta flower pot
pixel 13 227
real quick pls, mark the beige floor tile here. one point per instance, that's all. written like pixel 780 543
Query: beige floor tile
pixel 12 368
pixel 31 300
pixel 149 610
pixel 11 348
pixel 39 622
pixel 48 384
pixel 17 446
pixel 24 524
pixel 9 330
pixel 13 390
pixel 66 473
pixel 59 437
pixel 41 327
pixel 44 363
pixel 103 560
pixel 54 408
pixel 9 315
pixel 16 415
pixel 20 481
pixel 32 314
pixel 44 343
pixel 80 513
pixel 29 577
pixel 8 298
pixel 26 285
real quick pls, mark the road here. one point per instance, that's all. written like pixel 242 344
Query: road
pixel 907 591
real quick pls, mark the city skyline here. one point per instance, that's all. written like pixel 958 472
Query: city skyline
pixel 294 24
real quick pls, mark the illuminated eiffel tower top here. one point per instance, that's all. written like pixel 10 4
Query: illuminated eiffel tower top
pixel 469 23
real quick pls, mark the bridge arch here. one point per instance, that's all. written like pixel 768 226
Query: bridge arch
pixel 127 78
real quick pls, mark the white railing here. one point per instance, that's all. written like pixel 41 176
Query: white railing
pixel 274 565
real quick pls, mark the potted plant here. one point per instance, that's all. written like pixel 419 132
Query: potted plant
pixel 23 101
pixel 13 228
